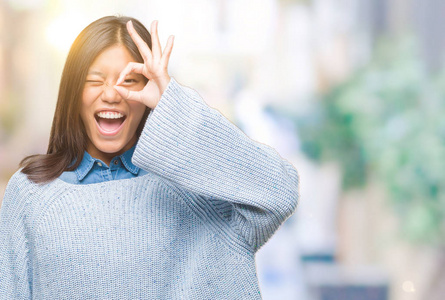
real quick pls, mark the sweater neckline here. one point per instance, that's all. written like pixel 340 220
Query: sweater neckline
pixel 61 182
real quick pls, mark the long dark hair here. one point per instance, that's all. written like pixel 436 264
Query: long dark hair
pixel 68 138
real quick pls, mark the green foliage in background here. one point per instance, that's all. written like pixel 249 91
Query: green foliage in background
pixel 388 121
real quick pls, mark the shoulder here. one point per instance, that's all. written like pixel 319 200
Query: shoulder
pixel 20 191
pixel 14 200
pixel 18 183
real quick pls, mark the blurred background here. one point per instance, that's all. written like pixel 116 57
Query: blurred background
pixel 350 91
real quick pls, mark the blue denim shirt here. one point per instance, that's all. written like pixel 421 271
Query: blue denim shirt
pixel 93 170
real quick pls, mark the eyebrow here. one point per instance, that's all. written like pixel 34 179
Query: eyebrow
pixel 103 75
pixel 96 73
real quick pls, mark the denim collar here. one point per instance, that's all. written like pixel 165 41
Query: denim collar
pixel 88 162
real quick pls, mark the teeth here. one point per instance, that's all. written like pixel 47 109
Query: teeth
pixel 109 115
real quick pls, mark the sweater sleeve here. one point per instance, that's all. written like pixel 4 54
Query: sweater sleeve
pixel 196 147
pixel 14 259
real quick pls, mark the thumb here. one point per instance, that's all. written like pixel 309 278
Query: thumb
pixel 127 94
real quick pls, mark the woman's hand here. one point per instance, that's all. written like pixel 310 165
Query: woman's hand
pixel 154 68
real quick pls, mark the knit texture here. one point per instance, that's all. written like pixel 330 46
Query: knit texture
pixel 189 229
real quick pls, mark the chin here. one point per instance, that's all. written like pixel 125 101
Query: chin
pixel 105 150
pixel 111 147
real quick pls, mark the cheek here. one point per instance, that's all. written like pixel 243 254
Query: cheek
pixel 86 110
pixel 91 94
pixel 84 113
pixel 137 110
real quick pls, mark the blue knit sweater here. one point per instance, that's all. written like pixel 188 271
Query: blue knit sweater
pixel 189 229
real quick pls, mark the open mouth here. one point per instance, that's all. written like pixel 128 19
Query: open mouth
pixel 109 122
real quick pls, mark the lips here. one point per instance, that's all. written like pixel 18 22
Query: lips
pixel 109 122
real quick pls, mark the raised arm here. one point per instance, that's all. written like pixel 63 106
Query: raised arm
pixel 197 148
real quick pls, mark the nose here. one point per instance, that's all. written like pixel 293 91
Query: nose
pixel 110 95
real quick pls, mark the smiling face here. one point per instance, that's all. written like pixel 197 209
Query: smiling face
pixel 109 120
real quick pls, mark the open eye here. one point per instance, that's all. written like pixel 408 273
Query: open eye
pixel 130 81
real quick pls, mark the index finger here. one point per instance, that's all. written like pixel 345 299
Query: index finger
pixel 142 46
pixel 131 67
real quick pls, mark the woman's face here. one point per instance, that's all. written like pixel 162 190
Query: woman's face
pixel 109 120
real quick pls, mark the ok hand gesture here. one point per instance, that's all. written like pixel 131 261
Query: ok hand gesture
pixel 154 68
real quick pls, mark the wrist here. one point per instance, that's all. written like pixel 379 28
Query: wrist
pixel 162 83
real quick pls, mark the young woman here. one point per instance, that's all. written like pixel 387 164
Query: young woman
pixel 145 192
